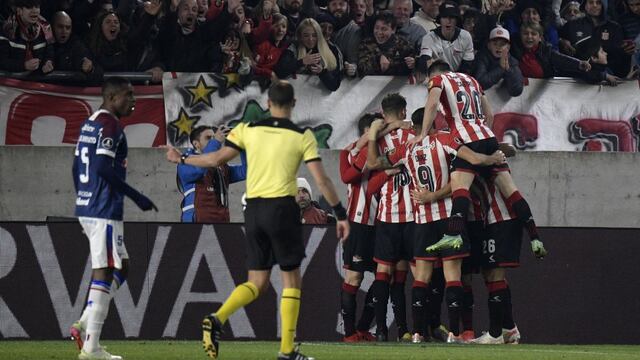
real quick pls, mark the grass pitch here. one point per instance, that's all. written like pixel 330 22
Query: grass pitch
pixel 259 350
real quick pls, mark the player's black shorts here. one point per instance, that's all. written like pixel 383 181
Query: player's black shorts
pixel 477 233
pixel 484 146
pixel 425 235
pixel 502 246
pixel 394 242
pixel 357 251
pixel 274 233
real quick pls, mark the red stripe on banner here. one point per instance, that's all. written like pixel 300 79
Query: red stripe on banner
pixel 75 90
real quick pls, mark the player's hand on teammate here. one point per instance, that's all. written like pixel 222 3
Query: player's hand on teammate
pixel 422 196
pixel 375 126
pixel 392 171
pixel 342 230
pixel 538 249
pixel 173 154
pixel 498 157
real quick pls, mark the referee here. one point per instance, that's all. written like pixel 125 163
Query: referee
pixel 274 149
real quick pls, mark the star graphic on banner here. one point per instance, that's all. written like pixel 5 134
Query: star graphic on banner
pixel 233 80
pixel 200 93
pixel 183 125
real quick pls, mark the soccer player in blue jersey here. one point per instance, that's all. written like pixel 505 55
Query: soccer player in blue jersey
pixel 99 170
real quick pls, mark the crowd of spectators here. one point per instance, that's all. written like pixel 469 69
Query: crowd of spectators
pixel 596 40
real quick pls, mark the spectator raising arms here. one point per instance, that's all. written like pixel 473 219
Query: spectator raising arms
pixel 385 53
pixel 315 56
pixel 26 41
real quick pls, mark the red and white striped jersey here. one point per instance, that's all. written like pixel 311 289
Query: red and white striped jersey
pixel 428 163
pixel 461 102
pixel 395 205
pixel 497 208
pixel 361 207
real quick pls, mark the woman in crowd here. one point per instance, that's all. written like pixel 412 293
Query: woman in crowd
pixel 538 60
pixel 108 44
pixel 316 56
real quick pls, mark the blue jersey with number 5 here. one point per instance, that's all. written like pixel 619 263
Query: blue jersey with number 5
pixel 100 135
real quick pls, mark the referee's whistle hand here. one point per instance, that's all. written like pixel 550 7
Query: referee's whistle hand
pixel 342 230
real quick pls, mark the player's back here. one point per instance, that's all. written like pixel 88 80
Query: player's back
pixel 395 205
pixel 461 100
pixel 100 135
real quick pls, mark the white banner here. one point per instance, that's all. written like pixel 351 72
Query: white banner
pixel 556 114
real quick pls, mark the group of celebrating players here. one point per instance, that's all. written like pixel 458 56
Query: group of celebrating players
pixel 441 204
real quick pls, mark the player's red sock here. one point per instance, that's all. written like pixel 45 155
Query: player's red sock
pixel 380 299
pixel 460 200
pixel 454 296
pixel 497 294
pixel 399 301
pixel 419 306
pixel 523 212
pixel 467 308
pixel 348 308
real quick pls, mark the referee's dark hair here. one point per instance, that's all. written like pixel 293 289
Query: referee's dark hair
pixel 366 120
pixel 195 133
pixel 112 85
pixel 281 93
pixel 394 104
pixel 439 66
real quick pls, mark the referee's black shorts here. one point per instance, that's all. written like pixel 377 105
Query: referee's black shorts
pixel 274 233
pixel 484 146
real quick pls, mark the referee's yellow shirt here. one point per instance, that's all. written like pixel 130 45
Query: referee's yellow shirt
pixel 274 149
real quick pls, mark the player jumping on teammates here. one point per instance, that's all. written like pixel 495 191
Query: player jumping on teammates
pixel 469 116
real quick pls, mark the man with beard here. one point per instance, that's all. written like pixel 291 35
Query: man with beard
pixel 347 34
pixel 292 9
pixel 70 53
pixel 188 46
pixel 310 211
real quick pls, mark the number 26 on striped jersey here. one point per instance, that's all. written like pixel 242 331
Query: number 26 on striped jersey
pixel 468 101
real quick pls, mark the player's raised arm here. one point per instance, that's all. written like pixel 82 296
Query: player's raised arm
pixel 430 110
pixel 374 160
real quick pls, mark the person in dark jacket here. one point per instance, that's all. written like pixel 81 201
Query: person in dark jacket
pixel 538 60
pixel 315 56
pixel 71 54
pixel 595 23
pixel 494 63
pixel 385 53
pixel 590 49
pixel 108 43
pixel 26 41
pixel 187 46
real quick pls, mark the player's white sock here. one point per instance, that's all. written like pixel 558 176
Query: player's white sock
pixel 118 280
pixel 97 309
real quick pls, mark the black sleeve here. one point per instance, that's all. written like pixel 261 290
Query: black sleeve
pixel 286 65
pixel 421 63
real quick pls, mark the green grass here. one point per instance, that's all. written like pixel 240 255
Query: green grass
pixel 258 350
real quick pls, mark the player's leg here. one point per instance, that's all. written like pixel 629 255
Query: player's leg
pixel 454 295
pixel 386 256
pixel 496 287
pixel 508 189
pixel 435 295
pixel 467 307
pixel 422 275
pixel 107 253
pixel 365 249
pixel 350 286
pixel 399 300
pixel 461 180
